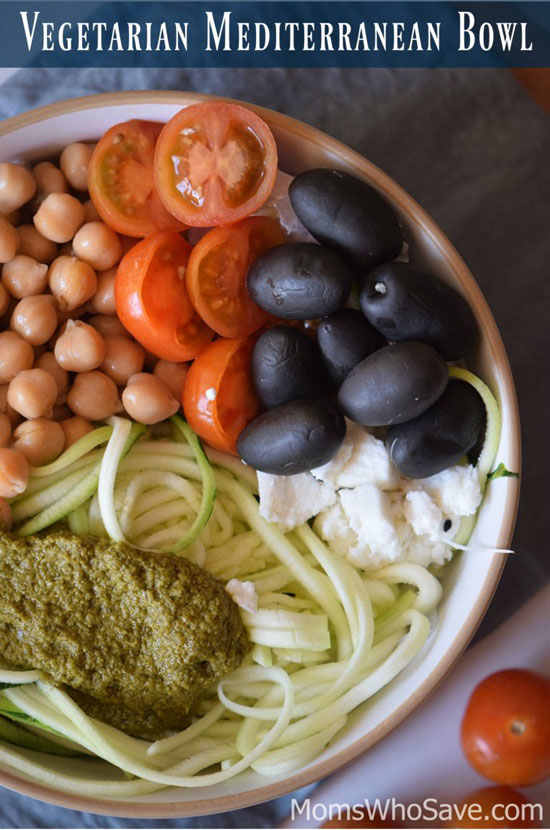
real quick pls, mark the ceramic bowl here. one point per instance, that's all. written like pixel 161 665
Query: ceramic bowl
pixel 472 578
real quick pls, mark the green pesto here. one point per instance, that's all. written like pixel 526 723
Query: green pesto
pixel 135 637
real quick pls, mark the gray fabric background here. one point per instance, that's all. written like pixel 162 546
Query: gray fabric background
pixel 474 149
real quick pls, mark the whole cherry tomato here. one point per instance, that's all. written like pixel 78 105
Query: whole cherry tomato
pixel 495 807
pixel 506 728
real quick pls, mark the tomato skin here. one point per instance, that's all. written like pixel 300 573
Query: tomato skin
pixel 216 274
pixel 359 818
pixel 121 180
pixel 152 301
pixel 223 366
pixel 215 163
pixel 493 802
pixel 505 732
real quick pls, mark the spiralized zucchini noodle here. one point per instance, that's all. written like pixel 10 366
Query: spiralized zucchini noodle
pixel 325 637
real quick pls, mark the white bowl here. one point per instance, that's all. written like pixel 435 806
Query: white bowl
pixel 473 577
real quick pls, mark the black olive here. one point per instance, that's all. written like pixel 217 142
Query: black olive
pixel 286 364
pixel 404 303
pixel 347 214
pixel 299 281
pixel 293 438
pixel 345 339
pixel 394 384
pixel 442 435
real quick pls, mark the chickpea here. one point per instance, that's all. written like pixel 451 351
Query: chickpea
pixel 91 213
pixel 34 245
pixel 9 241
pixel 80 348
pixel 15 355
pixel 5 430
pixel 5 409
pixel 40 440
pixel 148 399
pixel 13 218
pixel 94 396
pixel 23 276
pixel 5 516
pixel 107 324
pixel 32 393
pixel 97 244
pixel 49 179
pixel 75 428
pixel 74 162
pixel 35 318
pixel 72 282
pixel 4 299
pixel 123 358
pixel 48 362
pixel 173 375
pixel 14 473
pixel 59 217
pixel 103 301
pixel 17 186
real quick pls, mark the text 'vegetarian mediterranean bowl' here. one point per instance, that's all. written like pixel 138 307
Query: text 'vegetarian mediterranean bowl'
pixel 472 578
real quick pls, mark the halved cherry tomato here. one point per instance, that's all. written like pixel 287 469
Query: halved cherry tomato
pixel 121 182
pixel 218 397
pixel 216 274
pixel 152 300
pixel 215 163
pixel 506 728
pixel 494 807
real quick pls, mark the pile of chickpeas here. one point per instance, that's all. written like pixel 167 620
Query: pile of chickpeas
pixel 66 360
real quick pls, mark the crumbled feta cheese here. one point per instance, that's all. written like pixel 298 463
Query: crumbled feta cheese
pixel 424 516
pixel 362 459
pixel 456 491
pixel 419 549
pixel 244 594
pixel 362 528
pixel 292 500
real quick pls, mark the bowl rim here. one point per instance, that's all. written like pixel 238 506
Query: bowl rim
pixel 428 227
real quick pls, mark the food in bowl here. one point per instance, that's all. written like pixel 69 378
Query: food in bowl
pixel 322 565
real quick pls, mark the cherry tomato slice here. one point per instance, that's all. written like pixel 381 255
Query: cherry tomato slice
pixel 215 163
pixel 121 181
pixel 152 301
pixel 216 274
pixel 506 728
pixel 218 397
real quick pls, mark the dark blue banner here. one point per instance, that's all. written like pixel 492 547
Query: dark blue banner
pixel 301 34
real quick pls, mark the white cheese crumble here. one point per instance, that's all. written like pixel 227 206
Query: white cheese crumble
pixel 243 594
pixel 292 500
pixel 456 490
pixel 362 459
pixel 367 511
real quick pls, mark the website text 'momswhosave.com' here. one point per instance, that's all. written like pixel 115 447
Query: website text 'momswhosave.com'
pixel 430 809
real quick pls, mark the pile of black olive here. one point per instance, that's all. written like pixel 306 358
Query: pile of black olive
pixel 381 366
